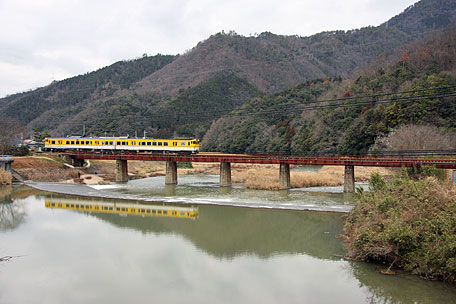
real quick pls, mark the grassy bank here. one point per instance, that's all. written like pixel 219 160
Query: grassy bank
pixel 410 224
pixel 5 177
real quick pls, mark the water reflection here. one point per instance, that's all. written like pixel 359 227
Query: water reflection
pixel 401 288
pixel 11 215
pixel 121 208
pixel 228 231
pixel 227 255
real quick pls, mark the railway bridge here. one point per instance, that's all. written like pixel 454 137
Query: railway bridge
pixel 284 161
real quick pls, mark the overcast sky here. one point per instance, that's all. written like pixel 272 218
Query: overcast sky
pixel 46 40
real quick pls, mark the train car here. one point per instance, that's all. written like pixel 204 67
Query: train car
pixel 186 145
pixel 122 208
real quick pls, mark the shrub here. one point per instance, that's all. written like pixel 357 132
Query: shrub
pixel 408 223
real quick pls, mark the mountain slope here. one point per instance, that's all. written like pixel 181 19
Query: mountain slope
pixel 270 63
pixel 325 116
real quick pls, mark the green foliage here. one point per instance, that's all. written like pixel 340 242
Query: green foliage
pixel 15 151
pixel 407 223
pixel 185 165
pixel 425 171
pixel 376 182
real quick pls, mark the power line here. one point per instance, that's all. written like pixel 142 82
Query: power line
pixel 312 105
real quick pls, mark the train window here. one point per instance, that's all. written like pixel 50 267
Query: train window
pixel 165 143
pixel 147 211
pixel 182 144
pixel 182 213
pixel 77 142
pixel 153 211
pixel 53 142
pixel 118 209
pixel 154 143
pixel 160 143
pixel 97 142
pixel 159 212
pixel 165 212
pixel 148 143
pixel 111 143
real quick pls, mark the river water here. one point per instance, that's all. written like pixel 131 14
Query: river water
pixel 72 249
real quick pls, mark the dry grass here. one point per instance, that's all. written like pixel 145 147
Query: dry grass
pixel 48 174
pixel 268 178
pixel 23 162
pixel 315 179
pixel 5 177
pixel 361 173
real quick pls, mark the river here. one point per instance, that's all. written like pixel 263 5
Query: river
pixel 180 248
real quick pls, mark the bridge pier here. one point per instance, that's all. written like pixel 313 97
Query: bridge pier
pixel 349 179
pixel 121 171
pixel 6 165
pixel 171 173
pixel 284 177
pixel 225 174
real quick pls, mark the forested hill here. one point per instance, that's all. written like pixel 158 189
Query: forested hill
pixel 221 72
pixel 348 116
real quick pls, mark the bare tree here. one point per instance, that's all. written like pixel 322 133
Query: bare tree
pixel 10 129
pixel 417 137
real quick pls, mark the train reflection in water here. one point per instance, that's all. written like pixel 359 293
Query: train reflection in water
pixel 123 208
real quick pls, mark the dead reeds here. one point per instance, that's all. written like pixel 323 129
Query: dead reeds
pixel 5 177
pixel 268 179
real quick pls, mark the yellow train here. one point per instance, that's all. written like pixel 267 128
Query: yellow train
pixel 123 208
pixel 122 144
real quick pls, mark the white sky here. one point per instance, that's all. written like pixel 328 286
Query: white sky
pixel 45 40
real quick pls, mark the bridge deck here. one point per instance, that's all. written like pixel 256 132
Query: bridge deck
pixel 443 163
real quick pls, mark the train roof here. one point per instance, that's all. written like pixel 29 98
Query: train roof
pixel 122 138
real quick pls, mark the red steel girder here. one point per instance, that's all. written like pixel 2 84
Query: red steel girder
pixel 271 159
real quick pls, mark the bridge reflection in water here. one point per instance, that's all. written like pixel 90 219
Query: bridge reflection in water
pixel 134 209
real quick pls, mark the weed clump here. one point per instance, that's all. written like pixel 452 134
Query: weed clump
pixel 408 223
pixel 5 177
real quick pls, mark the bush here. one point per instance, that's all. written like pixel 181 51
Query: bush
pixel 185 165
pixel 408 223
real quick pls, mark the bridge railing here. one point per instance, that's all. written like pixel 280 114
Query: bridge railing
pixel 6 157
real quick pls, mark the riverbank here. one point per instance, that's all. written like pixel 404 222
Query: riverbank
pixel 408 224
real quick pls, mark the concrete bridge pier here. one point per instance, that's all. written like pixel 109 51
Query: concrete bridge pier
pixel 171 173
pixel 349 179
pixel 225 174
pixel 5 165
pixel 284 177
pixel 121 171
